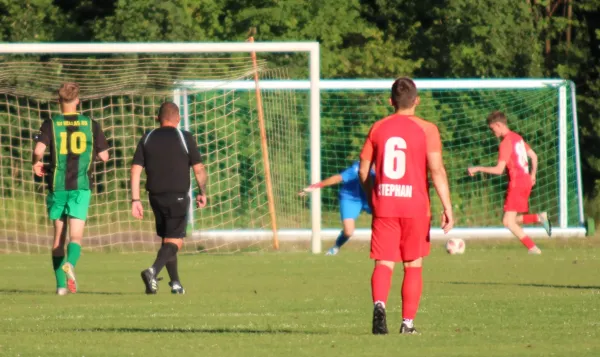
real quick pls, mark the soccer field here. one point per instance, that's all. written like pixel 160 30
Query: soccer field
pixel 496 300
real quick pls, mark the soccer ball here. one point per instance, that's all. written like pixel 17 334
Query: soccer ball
pixel 455 246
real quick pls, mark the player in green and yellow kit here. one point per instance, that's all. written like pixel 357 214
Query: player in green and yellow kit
pixel 74 141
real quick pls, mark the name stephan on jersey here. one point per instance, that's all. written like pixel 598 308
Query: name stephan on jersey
pixel 72 123
pixel 394 190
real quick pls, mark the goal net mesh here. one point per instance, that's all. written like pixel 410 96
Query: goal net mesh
pixel 467 141
pixel 123 95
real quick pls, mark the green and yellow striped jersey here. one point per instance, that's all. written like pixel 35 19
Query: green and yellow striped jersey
pixel 74 140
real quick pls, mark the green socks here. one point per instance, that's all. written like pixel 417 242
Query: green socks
pixel 73 253
pixel 61 277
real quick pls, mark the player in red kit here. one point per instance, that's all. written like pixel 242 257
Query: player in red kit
pixel 514 157
pixel 402 148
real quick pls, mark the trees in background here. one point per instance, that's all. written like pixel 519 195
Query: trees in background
pixel 363 38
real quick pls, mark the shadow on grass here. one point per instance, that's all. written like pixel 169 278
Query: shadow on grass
pixel 105 293
pixel 224 330
pixel 26 291
pixel 51 292
pixel 531 285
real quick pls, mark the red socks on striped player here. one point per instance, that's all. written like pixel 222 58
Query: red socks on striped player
pixel 527 242
pixel 412 287
pixel 381 280
pixel 531 218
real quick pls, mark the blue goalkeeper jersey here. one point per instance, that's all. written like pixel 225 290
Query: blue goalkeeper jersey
pixel 351 189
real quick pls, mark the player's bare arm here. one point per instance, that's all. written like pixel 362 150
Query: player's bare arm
pixel 534 164
pixel 364 176
pixel 36 159
pixel 201 178
pixel 492 170
pixel 330 181
pixel 136 205
pixel 439 178
pixel 103 156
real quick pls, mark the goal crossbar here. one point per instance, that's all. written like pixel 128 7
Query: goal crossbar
pixel 380 84
pixel 157 47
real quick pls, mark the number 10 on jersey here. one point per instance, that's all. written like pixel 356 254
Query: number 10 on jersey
pixel 76 143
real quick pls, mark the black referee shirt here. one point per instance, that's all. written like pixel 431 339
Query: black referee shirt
pixel 167 154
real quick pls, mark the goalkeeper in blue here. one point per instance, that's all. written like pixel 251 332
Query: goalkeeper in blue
pixel 352 198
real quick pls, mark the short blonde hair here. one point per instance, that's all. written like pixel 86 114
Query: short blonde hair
pixel 68 92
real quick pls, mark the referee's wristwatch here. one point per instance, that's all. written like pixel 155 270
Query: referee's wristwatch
pixel 135 200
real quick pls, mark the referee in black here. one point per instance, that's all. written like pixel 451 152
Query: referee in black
pixel 167 154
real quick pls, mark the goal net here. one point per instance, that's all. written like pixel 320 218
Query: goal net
pixel 542 111
pixel 123 93
pixel 311 132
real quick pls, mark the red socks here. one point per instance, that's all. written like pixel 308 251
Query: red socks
pixel 412 286
pixel 527 242
pixel 530 218
pixel 381 280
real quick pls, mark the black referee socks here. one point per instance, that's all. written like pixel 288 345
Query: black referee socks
pixel 165 253
pixel 172 269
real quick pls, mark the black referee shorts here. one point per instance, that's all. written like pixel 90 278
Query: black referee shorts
pixel 170 212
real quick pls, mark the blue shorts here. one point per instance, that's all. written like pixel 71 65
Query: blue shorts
pixel 351 209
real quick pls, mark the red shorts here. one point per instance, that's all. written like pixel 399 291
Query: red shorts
pixel 400 239
pixel 517 198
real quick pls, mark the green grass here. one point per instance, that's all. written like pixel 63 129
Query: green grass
pixel 493 301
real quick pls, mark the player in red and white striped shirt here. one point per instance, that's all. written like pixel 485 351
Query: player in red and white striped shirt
pixel 514 157
pixel 403 148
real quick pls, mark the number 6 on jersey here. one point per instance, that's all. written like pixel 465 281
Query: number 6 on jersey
pixel 394 158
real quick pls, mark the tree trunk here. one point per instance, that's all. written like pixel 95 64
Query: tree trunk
pixel 548 44
pixel 570 20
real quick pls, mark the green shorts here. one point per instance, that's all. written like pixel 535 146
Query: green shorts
pixel 73 203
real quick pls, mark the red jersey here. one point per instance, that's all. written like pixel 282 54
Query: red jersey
pixel 513 151
pixel 398 145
